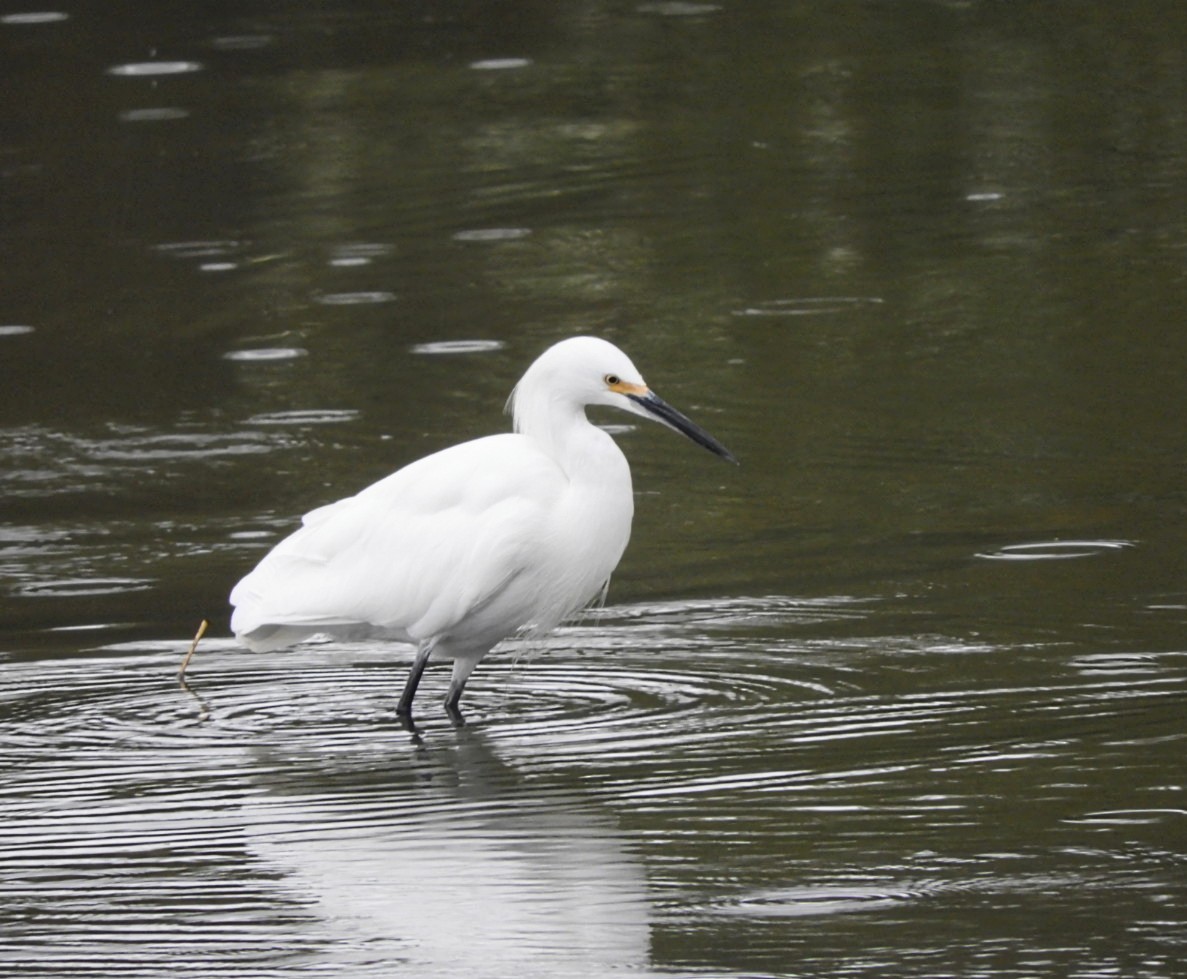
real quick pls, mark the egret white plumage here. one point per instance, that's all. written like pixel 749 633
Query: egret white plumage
pixel 463 548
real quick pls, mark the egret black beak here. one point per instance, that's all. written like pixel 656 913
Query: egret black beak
pixel 664 413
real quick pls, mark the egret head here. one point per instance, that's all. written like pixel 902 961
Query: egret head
pixel 590 371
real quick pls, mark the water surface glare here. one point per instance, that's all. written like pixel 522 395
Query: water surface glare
pixel 447 347
pixel 35 17
pixel 265 354
pixel 149 69
pixel 163 114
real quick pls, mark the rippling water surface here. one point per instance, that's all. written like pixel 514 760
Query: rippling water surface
pixel 902 695
pixel 663 786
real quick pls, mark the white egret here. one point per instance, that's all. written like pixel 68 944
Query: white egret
pixel 504 534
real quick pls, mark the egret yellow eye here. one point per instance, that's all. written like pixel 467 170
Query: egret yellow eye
pixel 611 380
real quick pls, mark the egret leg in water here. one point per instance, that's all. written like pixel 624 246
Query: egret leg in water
pixel 502 535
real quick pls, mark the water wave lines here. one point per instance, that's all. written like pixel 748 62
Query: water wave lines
pixel 658 769
pixel 491 234
pixel 302 417
pixel 449 347
pixel 38 462
pixel 95 702
pixel 689 616
pixel 246 833
pixel 365 298
pixel 823 899
pixel 212 255
pixel 673 677
pixel 162 113
pixel 67 587
pixel 357 254
pixel 1055 550
pixel 258 355
pixel 809 306
pixel 921 880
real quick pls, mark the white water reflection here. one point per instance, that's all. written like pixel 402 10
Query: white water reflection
pixel 433 854
pixel 162 114
pixel 150 69
pixel 35 17
pixel 75 587
pixel 354 298
pixel 359 253
pixel 1056 550
pixel 448 347
pixel 197 249
pixel 305 416
pixel 461 873
pixel 492 234
pixel 500 64
pixel 266 354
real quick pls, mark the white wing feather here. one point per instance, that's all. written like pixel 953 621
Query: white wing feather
pixel 401 558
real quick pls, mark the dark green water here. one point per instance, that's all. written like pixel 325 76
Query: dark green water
pixel 903 695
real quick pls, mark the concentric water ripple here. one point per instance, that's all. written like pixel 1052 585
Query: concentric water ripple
pixel 606 779
pixel 1056 550
pixel 457 347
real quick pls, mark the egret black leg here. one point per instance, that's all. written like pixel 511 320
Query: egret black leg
pixel 462 668
pixel 452 699
pixel 423 652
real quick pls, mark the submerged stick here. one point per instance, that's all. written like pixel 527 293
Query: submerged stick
pixel 193 647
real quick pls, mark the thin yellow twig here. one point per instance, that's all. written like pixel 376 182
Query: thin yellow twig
pixel 193 647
